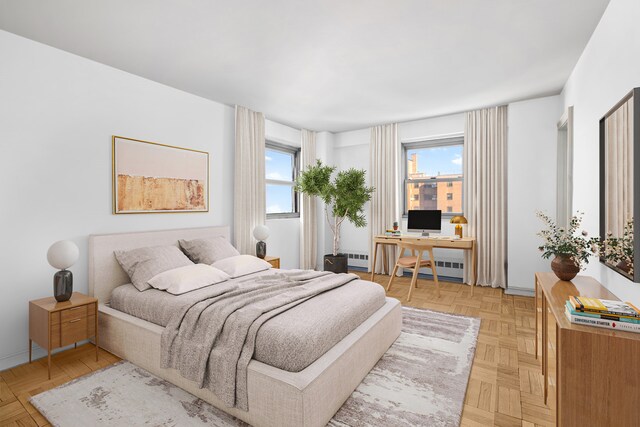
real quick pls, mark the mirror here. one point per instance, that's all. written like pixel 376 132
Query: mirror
pixel 619 182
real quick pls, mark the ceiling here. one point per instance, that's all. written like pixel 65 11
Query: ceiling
pixel 327 65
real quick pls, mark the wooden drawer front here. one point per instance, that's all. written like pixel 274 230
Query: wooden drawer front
pixel 73 331
pixel 73 313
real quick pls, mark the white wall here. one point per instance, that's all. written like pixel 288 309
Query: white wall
pixel 57 114
pixel 532 144
pixel 607 70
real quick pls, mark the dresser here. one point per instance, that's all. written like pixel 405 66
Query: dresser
pixel 54 324
pixel 591 374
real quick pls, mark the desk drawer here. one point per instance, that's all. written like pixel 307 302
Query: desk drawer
pixel 73 313
pixel 73 331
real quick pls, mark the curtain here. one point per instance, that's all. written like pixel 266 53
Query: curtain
pixel 619 169
pixel 383 171
pixel 308 214
pixel 249 185
pixel 485 193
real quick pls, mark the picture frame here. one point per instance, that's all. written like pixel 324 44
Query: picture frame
pixel 150 177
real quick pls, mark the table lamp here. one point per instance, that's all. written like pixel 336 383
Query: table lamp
pixel 62 255
pixel 261 233
pixel 458 220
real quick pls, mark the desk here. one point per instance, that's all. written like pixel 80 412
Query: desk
pixel 591 374
pixel 465 243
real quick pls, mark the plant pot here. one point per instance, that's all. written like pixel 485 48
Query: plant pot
pixel 336 264
pixel 624 266
pixel 564 267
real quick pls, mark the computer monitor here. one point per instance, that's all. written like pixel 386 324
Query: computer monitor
pixel 425 221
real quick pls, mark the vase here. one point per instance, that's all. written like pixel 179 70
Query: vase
pixel 62 285
pixel 565 267
pixel 624 266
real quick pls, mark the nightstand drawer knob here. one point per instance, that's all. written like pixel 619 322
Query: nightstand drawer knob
pixel 74 320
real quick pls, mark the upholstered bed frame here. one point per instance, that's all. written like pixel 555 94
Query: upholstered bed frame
pixel 276 397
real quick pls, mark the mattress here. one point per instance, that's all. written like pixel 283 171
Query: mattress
pixel 290 341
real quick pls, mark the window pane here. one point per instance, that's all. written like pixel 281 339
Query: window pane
pixel 442 195
pixel 441 162
pixel 278 165
pixel 279 198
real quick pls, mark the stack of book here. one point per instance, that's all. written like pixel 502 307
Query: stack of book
pixel 392 232
pixel 603 313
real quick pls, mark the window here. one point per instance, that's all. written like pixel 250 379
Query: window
pixel 281 169
pixel 433 175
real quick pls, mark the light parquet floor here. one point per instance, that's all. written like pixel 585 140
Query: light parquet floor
pixel 505 387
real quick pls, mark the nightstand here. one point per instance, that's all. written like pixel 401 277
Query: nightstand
pixel 274 261
pixel 54 324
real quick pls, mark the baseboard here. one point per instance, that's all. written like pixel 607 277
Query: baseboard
pixel 523 292
pixel 22 357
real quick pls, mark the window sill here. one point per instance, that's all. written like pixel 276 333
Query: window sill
pixel 283 215
pixel 447 215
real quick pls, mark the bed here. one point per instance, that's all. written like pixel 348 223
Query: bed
pixel 279 394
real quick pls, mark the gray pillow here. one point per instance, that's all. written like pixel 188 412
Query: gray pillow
pixel 208 251
pixel 143 264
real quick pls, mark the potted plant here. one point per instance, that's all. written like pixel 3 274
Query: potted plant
pixel 569 248
pixel 344 197
pixel 618 251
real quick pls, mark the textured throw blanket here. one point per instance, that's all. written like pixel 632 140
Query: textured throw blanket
pixel 212 341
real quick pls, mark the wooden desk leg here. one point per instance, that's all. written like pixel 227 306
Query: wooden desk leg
pixel 375 256
pixel 474 265
pixel 385 262
pixel 30 345
pixel 545 348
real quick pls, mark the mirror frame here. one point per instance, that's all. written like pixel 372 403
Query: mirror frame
pixel 635 93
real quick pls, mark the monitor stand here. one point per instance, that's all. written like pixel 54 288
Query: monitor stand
pixel 425 234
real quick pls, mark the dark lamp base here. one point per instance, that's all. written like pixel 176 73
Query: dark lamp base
pixel 62 285
pixel 261 249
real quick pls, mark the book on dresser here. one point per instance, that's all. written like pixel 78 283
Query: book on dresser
pixel 604 307
pixel 602 313
pixel 601 323
pixel 595 315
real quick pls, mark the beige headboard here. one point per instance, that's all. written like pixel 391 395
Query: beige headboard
pixel 105 274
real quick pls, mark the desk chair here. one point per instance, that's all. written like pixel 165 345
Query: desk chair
pixel 414 263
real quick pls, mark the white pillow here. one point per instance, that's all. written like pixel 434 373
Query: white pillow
pixel 189 278
pixel 241 265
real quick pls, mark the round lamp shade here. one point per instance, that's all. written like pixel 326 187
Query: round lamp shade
pixel 261 232
pixel 63 254
pixel 458 219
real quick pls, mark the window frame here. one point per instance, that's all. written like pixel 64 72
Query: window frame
pixel 295 162
pixel 429 143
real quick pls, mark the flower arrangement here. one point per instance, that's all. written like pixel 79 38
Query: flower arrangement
pixel 567 243
pixel 619 250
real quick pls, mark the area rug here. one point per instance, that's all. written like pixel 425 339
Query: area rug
pixel 420 380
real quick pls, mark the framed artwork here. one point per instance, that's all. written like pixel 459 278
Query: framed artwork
pixel 156 178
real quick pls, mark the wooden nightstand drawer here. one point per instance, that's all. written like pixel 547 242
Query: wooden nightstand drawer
pixel 73 331
pixel 73 313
